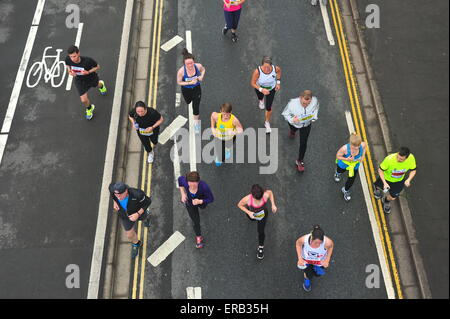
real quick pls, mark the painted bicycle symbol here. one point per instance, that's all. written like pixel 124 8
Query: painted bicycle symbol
pixel 55 74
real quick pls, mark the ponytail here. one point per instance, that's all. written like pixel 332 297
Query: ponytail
pixel 317 233
pixel 186 55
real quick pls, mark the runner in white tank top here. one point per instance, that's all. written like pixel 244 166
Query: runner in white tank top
pixel 314 252
pixel 266 80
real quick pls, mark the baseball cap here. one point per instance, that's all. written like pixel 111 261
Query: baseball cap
pixel 120 187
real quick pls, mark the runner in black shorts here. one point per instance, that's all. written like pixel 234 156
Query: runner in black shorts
pixel 84 70
pixel 131 204
pixel 146 121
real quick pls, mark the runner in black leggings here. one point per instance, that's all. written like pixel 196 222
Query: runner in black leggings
pixel 189 76
pixel 255 206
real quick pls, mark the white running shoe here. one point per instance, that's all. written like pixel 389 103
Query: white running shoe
pixel 262 104
pixel 151 157
pixel 197 127
pixel 267 126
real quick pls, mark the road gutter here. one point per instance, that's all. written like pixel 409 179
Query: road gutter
pixel 413 277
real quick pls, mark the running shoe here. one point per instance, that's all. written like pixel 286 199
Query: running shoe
pixel 227 153
pixel 307 285
pixel 267 126
pixel 337 177
pixel 386 206
pixel 261 104
pixel 197 127
pixel 260 253
pixel 377 192
pixel 103 88
pixel 218 163
pixel 347 194
pixel 147 218
pixel 90 112
pixel 291 134
pixel 151 157
pixel 135 249
pixel 300 166
pixel 199 242
pixel 224 30
pixel 319 270
pixel 234 37
pixel 313 2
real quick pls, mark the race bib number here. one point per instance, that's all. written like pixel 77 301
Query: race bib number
pixel 306 118
pixel 398 173
pixel 78 70
pixel 259 215
pixel 143 132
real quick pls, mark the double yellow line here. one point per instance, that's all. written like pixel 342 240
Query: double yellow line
pixel 360 129
pixel 146 175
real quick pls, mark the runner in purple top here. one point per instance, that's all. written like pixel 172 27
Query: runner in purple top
pixel 194 194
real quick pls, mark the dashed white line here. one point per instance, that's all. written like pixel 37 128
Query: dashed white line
pixel 166 249
pixel 171 43
pixel 77 43
pixel 326 22
pixel 194 292
pixel 171 129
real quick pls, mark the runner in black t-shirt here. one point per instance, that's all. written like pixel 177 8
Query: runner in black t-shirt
pixel 146 121
pixel 84 69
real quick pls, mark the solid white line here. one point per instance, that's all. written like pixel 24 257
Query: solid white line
pixel 3 140
pixel 19 80
pixel 194 292
pixel 171 129
pixel 171 43
pixel 166 249
pixel 376 232
pixel 99 243
pixel 326 22
pixel 77 43
pixel 38 12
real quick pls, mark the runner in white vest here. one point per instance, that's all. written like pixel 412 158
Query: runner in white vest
pixel 314 252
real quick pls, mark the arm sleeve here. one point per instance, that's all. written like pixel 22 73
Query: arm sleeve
pixel 209 198
pixel 384 164
pixel 316 111
pixel 287 114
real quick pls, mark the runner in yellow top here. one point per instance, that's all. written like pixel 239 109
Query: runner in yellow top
pixel 392 173
pixel 224 126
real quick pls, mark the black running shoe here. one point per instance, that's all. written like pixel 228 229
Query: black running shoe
pixel 234 37
pixel 224 30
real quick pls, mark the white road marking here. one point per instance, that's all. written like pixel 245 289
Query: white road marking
pixel 11 110
pixel 326 22
pixel 172 129
pixel 172 43
pixel 176 163
pixel 177 99
pixel 192 148
pixel 381 256
pixel 100 232
pixel 3 140
pixel 77 43
pixel 166 249
pixel 38 12
pixel 194 292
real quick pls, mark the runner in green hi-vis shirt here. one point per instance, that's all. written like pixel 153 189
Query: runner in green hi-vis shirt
pixel 392 172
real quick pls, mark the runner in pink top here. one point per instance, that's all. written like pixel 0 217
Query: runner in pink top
pixel 255 206
pixel 232 12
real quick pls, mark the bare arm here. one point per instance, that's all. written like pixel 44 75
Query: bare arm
pixel 329 246
pixel 272 200
pixel 242 204
pixel 412 174
pixel 298 248
pixel 238 125
pixel 340 153
pixel 278 71
pixel 202 71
